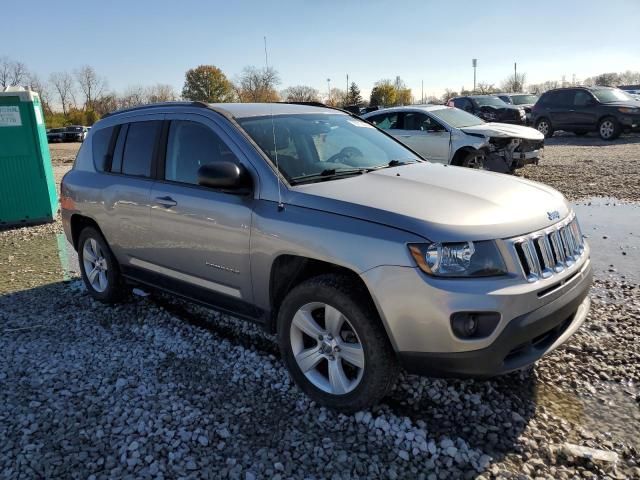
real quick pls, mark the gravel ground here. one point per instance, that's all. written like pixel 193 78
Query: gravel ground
pixel 156 387
pixel 582 167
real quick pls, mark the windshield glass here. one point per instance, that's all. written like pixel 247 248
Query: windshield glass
pixel 74 129
pixel 312 144
pixel 456 118
pixel 524 99
pixel 611 95
pixel 489 101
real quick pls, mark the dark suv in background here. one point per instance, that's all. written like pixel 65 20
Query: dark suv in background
pixel 489 108
pixel 521 100
pixel 609 111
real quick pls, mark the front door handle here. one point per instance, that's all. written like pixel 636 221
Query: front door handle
pixel 166 201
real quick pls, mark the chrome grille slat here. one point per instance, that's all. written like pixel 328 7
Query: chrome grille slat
pixel 545 253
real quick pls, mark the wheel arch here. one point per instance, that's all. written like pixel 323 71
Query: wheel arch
pixel 460 154
pixel 78 223
pixel 288 271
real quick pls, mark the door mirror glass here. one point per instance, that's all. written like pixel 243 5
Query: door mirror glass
pixel 224 175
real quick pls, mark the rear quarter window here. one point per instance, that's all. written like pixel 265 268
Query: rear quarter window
pixel 101 141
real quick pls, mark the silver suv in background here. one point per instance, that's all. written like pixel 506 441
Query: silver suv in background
pixel 451 135
pixel 358 254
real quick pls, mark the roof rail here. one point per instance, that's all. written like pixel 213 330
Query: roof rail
pixel 158 105
pixel 320 104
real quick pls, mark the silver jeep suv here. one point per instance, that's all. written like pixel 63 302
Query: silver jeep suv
pixel 361 256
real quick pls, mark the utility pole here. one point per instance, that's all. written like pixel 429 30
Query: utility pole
pixel 474 64
pixel 328 90
pixel 422 90
pixel 516 84
pixel 346 92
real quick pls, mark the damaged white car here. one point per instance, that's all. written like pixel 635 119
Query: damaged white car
pixel 450 135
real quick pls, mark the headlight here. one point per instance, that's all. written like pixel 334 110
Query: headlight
pixel 460 259
pixel 490 116
pixel 629 110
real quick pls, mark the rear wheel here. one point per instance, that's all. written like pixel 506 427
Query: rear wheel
pixel 544 127
pixel 609 128
pixel 98 267
pixel 333 344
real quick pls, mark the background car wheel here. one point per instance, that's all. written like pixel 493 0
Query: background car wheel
pixel 609 128
pixel 475 159
pixel 544 127
pixel 334 345
pixel 98 267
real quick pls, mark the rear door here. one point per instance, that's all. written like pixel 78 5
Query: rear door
pixel 583 116
pixel 560 109
pixel 126 194
pixel 200 236
pixel 425 135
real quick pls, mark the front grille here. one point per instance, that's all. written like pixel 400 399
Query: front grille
pixel 550 251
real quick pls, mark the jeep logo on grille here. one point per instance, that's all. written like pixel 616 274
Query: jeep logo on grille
pixel 555 215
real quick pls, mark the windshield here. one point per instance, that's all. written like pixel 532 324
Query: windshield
pixel 313 144
pixel 524 99
pixel 611 95
pixel 74 129
pixel 489 101
pixel 456 118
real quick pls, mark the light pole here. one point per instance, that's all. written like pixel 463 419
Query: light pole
pixel 474 64
pixel 328 90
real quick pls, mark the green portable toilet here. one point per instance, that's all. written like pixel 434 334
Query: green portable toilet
pixel 27 188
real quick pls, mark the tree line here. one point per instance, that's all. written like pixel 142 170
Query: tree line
pixel 83 95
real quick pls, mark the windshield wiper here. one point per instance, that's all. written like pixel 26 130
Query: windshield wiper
pixel 392 163
pixel 328 174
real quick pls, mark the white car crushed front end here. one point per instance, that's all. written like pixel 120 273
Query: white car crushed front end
pixel 507 146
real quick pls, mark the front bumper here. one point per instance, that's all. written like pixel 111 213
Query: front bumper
pixel 534 317
pixel 523 341
pixel 630 122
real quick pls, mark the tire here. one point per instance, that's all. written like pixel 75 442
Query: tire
pixel 349 362
pixel 609 128
pixel 474 159
pixel 543 125
pixel 99 268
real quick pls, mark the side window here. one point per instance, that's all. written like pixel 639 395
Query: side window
pixel 581 98
pixel 505 98
pixel 421 122
pixel 463 104
pixel 139 148
pixel 386 121
pixel 101 146
pixel 191 145
pixel 563 98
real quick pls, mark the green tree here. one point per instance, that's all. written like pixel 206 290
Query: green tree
pixel 207 83
pixel 383 94
pixel 353 96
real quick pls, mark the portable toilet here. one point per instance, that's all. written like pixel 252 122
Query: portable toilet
pixel 27 188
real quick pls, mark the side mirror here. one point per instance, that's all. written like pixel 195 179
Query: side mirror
pixel 224 175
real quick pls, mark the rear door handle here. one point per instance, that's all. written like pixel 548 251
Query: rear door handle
pixel 166 201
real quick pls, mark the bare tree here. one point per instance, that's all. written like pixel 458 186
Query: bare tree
pixel 258 85
pixel 514 82
pixel 43 90
pixel 63 84
pixel 91 85
pixel 132 97
pixel 300 93
pixel 484 88
pixel 338 98
pixel 12 72
pixel 160 92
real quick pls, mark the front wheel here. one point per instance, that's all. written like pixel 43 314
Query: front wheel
pixel 544 127
pixel 334 345
pixel 98 267
pixel 609 128
pixel 475 159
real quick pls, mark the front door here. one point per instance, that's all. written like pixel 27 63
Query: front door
pixel 200 235
pixel 425 135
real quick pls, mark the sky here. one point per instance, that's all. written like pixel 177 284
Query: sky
pixel 142 42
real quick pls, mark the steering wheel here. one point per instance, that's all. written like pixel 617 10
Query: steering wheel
pixel 345 155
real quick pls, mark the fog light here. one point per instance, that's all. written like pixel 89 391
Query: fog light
pixel 472 325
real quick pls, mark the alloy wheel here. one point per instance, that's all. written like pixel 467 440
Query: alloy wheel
pixel 606 129
pixel 543 127
pixel 326 348
pixel 95 265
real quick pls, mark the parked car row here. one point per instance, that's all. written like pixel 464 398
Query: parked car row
pixel 72 133
pixel 490 108
pixel 360 256
pixel 453 136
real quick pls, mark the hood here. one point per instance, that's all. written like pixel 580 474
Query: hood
pixel 438 202
pixel 504 130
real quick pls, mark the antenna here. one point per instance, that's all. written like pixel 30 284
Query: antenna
pixel 273 130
